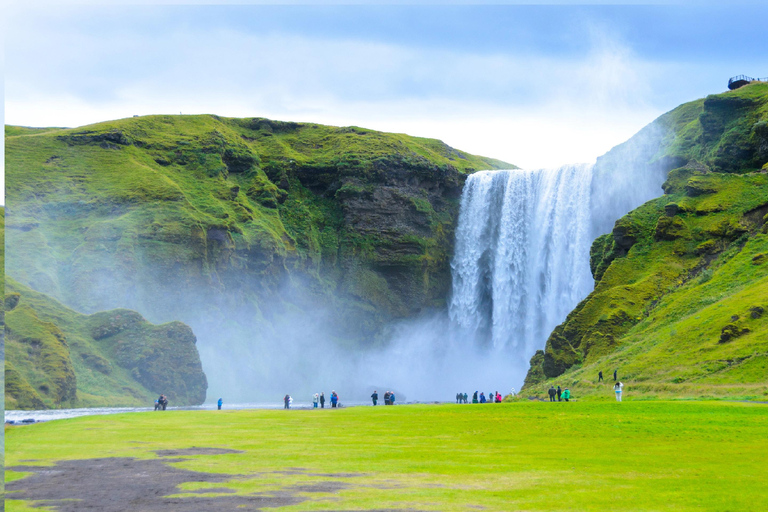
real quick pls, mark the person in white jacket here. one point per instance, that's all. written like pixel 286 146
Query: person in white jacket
pixel 315 400
pixel 617 388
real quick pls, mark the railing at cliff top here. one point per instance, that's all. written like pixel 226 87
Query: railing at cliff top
pixel 738 81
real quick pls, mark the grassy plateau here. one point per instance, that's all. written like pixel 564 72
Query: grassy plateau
pixel 640 456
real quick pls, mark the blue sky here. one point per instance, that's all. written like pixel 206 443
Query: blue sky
pixel 533 85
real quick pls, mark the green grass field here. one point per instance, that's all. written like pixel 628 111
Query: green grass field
pixel 577 456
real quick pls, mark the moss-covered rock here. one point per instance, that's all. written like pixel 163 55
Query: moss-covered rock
pixel 56 357
pixel 677 259
pixel 183 217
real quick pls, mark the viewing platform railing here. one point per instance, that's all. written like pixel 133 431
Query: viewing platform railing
pixel 741 80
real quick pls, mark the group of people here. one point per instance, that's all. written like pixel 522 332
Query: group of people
pixel 389 398
pixel 559 393
pixel 319 399
pixel 161 403
pixel 462 398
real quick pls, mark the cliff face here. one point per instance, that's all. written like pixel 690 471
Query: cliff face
pixel 234 225
pixel 680 286
pixel 56 357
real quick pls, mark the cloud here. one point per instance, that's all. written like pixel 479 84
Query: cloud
pixel 528 107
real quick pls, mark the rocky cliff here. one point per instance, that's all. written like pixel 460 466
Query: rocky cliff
pixel 681 288
pixel 236 226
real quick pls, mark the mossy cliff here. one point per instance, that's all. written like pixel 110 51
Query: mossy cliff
pixel 231 224
pixel 681 282
pixel 56 357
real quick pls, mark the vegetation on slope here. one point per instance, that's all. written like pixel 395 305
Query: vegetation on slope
pixel 147 212
pixel 681 285
pixel 55 357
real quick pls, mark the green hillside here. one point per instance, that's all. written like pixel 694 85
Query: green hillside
pixel 56 357
pixel 681 293
pixel 241 228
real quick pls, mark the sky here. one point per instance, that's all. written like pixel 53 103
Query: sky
pixel 534 85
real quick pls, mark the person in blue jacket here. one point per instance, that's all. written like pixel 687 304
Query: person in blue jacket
pixel 219 403
pixel 392 398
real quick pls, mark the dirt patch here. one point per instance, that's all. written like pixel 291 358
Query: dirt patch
pixel 195 450
pixel 128 484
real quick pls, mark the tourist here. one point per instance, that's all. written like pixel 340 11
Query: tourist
pixel 220 403
pixel 614 375
pixel 512 392
pixel 552 392
pixel 600 376
pixel 315 400
pixel 498 397
pixel 163 401
pixel 322 400
pixel 465 398
pixel 617 388
pixel 458 397
pixel 375 397
pixel 566 394
pixel 474 397
pixel 334 399
pixel 559 393
pixel 391 398
pixel 287 402
pixel 157 404
pixel 386 398
pixel 482 398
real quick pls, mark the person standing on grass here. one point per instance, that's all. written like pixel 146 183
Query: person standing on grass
pixel 334 399
pixel 391 398
pixel 617 389
pixel 474 397
pixel 287 402
pixel 375 397
pixel 322 400
pixel 498 397
pixel 559 393
pixel 614 375
pixel 220 403
pixel 552 392
pixel 600 376
pixel 315 400
pixel 466 398
pixel 566 394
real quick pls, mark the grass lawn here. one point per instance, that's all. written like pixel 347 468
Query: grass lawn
pixel 638 456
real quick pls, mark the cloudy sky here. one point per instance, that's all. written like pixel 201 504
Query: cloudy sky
pixel 532 85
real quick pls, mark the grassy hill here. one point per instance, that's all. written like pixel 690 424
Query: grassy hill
pixel 681 293
pixel 242 228
pixel 56 357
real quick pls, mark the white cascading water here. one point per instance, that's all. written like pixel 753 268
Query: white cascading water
pixel 521 261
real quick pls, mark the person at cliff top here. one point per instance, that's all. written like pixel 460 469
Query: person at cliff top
pixel 458 395
pixel 566 394
pixel 465 398
pixel 287 401
pixel 474 397
pixel 322 400
pixel 334 398
pixel 315 399
pixel 375 397
pixel 559 393
pixel 391 398
pixel 498 397
pixel 157 404
pixel 220 403
pixel 163 401
pixel 482 398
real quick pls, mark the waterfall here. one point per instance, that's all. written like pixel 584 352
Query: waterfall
pixel 521 261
